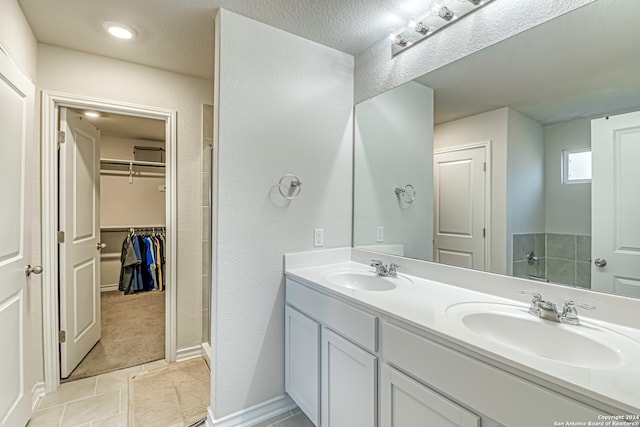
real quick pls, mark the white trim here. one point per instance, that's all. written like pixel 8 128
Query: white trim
pixel 206 353
pixel 109 287
pixel 189 353
pixel 254 415
pixel 51 102
pixel 37 393
pixel 487 191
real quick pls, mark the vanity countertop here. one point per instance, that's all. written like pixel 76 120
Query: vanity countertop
pixel 424 303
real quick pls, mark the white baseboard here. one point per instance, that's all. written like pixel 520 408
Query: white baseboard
pixel 206 353
pixel 188 353
pixel 254 415
pixel 37 392
pixel 109 287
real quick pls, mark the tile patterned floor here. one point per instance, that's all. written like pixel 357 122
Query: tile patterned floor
pixel 103 401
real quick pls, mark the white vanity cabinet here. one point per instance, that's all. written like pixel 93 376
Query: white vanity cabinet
pixel 506 398
pixel 349 365
pixel 330 359
pixel 407 403
pixel 348 383
pixel 302 362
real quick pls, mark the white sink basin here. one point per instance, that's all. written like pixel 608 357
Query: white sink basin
pixel 586 345
pixel 366 281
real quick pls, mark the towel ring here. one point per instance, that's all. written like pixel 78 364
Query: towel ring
pixel 292 190
pixel 408 193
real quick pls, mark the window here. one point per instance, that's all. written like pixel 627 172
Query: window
pixel 576 166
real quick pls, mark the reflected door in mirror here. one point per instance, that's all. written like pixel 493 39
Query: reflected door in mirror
pixel 616 206
pixel 460 202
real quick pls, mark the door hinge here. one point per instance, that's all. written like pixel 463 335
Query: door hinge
pixel 62 336
pixel 60 236
pixel 484 166
pixel 60 138
pixel 484 232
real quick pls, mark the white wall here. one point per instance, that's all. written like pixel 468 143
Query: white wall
pixel 17 39
pixel 79 73
pixel 135 204
pixel 394 147
pixel 568 207
pixel 491 126
pixel 284 105
pixel 525 179
pixel 377 71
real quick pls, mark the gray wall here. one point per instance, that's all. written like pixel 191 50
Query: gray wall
pixel 568 206
pixel 394 147
pixel 284 105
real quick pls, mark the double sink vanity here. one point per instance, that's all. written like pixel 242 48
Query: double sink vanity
pixel 442 346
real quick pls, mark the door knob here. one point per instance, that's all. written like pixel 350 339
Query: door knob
pixel 101 245
pixel 600 262
pixel 36 269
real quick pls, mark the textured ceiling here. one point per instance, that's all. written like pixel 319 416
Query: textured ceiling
pixel 177 35
pixel 580 65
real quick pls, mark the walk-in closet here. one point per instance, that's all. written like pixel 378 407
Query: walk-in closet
pixel 132 244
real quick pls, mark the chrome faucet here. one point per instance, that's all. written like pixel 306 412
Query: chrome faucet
pixel 549 310
pixel 382 270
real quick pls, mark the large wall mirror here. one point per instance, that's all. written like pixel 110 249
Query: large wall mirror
pixel 521 159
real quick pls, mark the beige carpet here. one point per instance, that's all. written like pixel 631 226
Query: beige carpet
pixel 173 396
pixel 132 333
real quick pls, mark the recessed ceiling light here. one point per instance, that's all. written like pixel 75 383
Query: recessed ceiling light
pixel 91 114
pixel 119 30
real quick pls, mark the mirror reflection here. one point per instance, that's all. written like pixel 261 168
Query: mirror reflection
pixel 518 159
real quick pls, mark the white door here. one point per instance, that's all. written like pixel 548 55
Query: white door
pixel 302 362
pixel 407 403
pixel 349 384
pixel 16 123
pixel 615 222
pixel 460 200
pixel 80 252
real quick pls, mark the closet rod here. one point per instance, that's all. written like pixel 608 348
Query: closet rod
pixel 131 162
pixel 121 229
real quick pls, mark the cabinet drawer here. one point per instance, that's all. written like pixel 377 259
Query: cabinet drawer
pixel 506 398
pixel 407 403
pixel 350 322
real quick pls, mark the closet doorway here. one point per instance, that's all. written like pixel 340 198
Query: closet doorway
pixel 113 197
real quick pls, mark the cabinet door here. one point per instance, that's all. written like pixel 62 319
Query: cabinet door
pixel 348 383
pixel 302 362
pixel 407 403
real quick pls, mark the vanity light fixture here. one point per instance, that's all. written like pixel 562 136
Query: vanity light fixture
pixel 446 13
pixel 119 30
pixel 432 20
pixel 398 40
pixel 91 114
pixel 421 28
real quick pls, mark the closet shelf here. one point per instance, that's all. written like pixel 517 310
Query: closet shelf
pixel 121 162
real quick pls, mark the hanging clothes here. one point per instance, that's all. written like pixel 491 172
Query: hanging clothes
pixel 129 262
pixel 142 262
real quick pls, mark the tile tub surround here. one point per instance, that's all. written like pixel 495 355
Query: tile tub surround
pixel 562 258
pixel 437 286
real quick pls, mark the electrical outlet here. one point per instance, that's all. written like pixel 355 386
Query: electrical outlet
pixel 379 234
pixel 318 237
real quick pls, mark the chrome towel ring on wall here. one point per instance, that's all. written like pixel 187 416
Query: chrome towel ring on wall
pixel 408 193
pixel 289 186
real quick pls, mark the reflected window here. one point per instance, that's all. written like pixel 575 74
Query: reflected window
pixel 576 166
